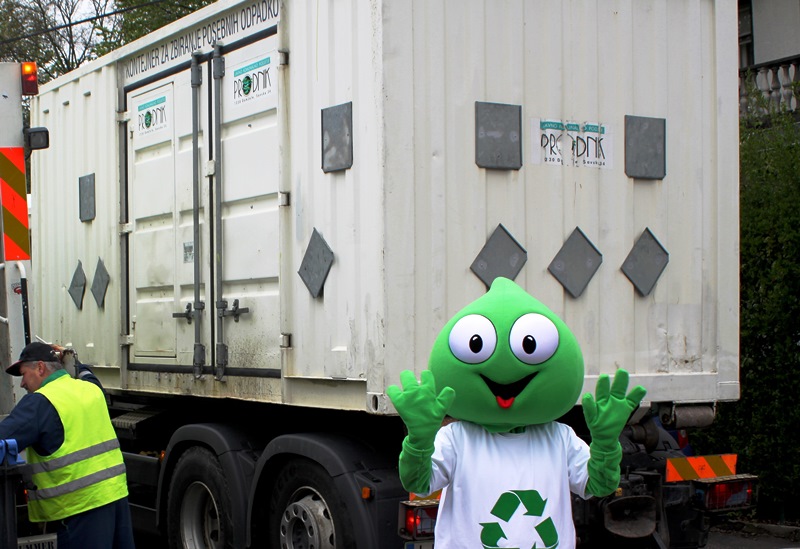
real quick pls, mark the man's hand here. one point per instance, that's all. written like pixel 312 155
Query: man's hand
pixel 67 357
pixel 607 413
pixel 420 408
pixel 60 350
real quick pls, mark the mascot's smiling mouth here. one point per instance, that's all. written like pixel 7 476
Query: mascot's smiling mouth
pixel 506 393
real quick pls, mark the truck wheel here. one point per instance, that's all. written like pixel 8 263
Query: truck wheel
pixel 306 510
pixel 198 508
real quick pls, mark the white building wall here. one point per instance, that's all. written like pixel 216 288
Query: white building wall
pixel 776 29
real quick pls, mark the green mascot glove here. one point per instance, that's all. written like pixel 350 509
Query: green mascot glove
pixel 606 415
pixel 422 410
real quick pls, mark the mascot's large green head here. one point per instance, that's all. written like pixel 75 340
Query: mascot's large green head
pixel 511 361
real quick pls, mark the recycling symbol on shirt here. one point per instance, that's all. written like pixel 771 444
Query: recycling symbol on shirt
pixel 507 504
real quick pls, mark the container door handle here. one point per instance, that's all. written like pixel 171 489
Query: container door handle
pixel 187 313
pixel 235 310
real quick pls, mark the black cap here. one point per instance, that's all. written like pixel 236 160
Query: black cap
pixel 33 352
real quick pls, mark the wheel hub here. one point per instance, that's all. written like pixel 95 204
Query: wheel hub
pixel 307 524
pixel 200 523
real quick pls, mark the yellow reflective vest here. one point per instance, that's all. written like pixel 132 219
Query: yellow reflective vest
pixel 87 471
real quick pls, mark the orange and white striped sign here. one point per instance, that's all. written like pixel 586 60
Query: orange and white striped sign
pixel 13 194
pixel 697 467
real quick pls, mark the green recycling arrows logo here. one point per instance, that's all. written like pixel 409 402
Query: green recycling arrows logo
pixel 507 504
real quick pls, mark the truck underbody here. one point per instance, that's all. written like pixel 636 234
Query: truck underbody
pixel 240 474
pixel 228 473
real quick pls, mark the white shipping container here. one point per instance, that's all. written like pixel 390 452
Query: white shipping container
pixel 375 148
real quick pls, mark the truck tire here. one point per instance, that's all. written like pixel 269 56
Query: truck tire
pixel 198 508
pixel 306 510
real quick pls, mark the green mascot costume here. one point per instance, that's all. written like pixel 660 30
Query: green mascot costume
pixel 507 367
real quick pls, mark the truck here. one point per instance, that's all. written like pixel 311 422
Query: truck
pixel 251 220
pixel 18 81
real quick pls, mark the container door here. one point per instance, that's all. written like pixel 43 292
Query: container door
pixel 155 267
pixel 245 191
pixel 203 210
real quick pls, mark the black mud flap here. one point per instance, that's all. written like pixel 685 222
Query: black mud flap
pixel 630 516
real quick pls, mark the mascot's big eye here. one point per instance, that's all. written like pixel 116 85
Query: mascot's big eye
pixel 534 338
pixel 473 339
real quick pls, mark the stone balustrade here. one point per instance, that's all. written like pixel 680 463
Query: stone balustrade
pixel 770 86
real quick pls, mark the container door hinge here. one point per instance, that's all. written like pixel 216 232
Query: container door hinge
pixel 284 199
pixel 283 57
pixel 199 360
pixel 126 340
pixel 125 228
pixel 286 340
pixel 221 361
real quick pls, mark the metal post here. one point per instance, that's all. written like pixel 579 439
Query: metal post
pixel 218 71
pixel 9 478
pixel 199 358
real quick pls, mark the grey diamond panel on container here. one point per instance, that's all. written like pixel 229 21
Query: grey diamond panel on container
pixel 316 264
pixel 645 262
pixel 575 263
pixel 100 283
pixel 77 286
pixel 502 256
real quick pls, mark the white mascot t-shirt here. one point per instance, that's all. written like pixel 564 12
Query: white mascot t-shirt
pixel 507 489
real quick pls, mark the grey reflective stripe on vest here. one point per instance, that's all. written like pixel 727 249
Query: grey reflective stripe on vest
pixel 88 480
pixel 75 457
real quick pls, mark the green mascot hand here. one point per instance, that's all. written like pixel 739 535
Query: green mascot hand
pixel 420 408
pixel 608 412
pixel 423 411
pixel 606 415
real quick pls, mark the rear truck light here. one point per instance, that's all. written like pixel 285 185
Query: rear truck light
pixel 417 519
pixel 30 78
pixel 715 484
pixel 726 493
pixel 36 138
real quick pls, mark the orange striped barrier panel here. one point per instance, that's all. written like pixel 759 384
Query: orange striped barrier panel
pixel 13 194
pixel 700 467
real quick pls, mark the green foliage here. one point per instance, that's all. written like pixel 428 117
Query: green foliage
pixel 762 426
pixel 62 35
pixel 59 35
pixel 139 17
pixel 16 22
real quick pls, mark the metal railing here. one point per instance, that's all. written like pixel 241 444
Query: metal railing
pixel 772 86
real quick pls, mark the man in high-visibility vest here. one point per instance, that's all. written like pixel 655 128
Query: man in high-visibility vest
pixel 74 453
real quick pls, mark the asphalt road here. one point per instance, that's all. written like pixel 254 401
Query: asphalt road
pixel 727 538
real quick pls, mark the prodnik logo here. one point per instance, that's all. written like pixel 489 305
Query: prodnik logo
pixel 531 507
pixel 152 115
pixel 252 81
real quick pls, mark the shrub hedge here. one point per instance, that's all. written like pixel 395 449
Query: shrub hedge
pixel 763 427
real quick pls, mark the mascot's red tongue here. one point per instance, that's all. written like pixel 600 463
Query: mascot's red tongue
pixel 505 402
